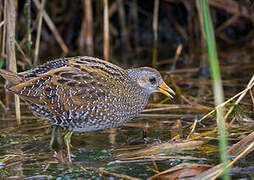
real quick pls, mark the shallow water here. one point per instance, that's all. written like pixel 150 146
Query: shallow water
pixel 25 151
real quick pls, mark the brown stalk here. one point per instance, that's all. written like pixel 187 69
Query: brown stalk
pixel 1 21
pixel 52 27
pixel 124 31
pixel 232 7
pixel 204 57
pixel 11 55
pixel 155 31
pixel 23 54
pixel 27 8
pixel 134 15
pixel 227 23
pixel 112 9
pixel 4 30
pixel 106 31
pixel 191 18
pixel 252 96
pixel 3 106
pixel 38 35
pixel 86 33
pixel 180 29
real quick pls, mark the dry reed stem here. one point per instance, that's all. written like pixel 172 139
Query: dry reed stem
pixel 112 135
pixel 3 106
pixel 156 169
pixel 201 135
pixel 23 54
pixel 11 55
pixel 190 106
pixel 233 7
pixel 85 40
pixel 237 148
pixel 162 148
pixel 134 15
pixel 89 24
pixel 178 51
pixel 106 31
pixel 179 29
pixel 124 32
pixel 155 31
pixel 252 97
pixel 38 35
pixel 200 106
pixel 176 57
pixel 181 171
pixel 1 20
pixel 27 9
pixel 154 157
pixel 204 57
pixel 4 30
pixel 52 27
pixel 194 125
pixel 201 20
pixel 227 23
pixel 112 9
pixel 2 23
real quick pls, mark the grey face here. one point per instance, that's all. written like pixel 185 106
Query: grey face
pixel 149 79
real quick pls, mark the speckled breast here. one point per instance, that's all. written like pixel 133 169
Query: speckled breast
pixel 92 114
pixel 81 94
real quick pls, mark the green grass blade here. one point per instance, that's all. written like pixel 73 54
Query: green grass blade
pixel 217 84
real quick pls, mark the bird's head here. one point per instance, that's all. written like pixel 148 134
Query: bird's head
pixel 151 81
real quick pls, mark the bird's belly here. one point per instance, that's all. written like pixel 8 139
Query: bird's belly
pixel 103 115
pixel 85 127
pixel 90 118
pixel 94 122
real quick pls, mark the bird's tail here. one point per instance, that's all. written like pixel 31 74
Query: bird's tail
pixel 12 77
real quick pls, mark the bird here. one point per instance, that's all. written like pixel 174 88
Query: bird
pixel 82 94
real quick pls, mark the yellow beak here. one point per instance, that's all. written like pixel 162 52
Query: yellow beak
pixel 163 88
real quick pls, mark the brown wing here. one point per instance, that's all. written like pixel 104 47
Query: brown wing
pixel 73 87
pixel 71 61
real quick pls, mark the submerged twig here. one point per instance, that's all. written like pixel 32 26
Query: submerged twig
pixel 152 158
pixel 102 171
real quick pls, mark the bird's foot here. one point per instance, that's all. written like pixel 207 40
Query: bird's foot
pixel 67 140
pixel 59 156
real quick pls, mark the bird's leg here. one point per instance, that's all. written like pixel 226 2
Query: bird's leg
pixel 56 142
pixel 67 140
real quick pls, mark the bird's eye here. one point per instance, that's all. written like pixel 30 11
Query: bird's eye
pixel 152 80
